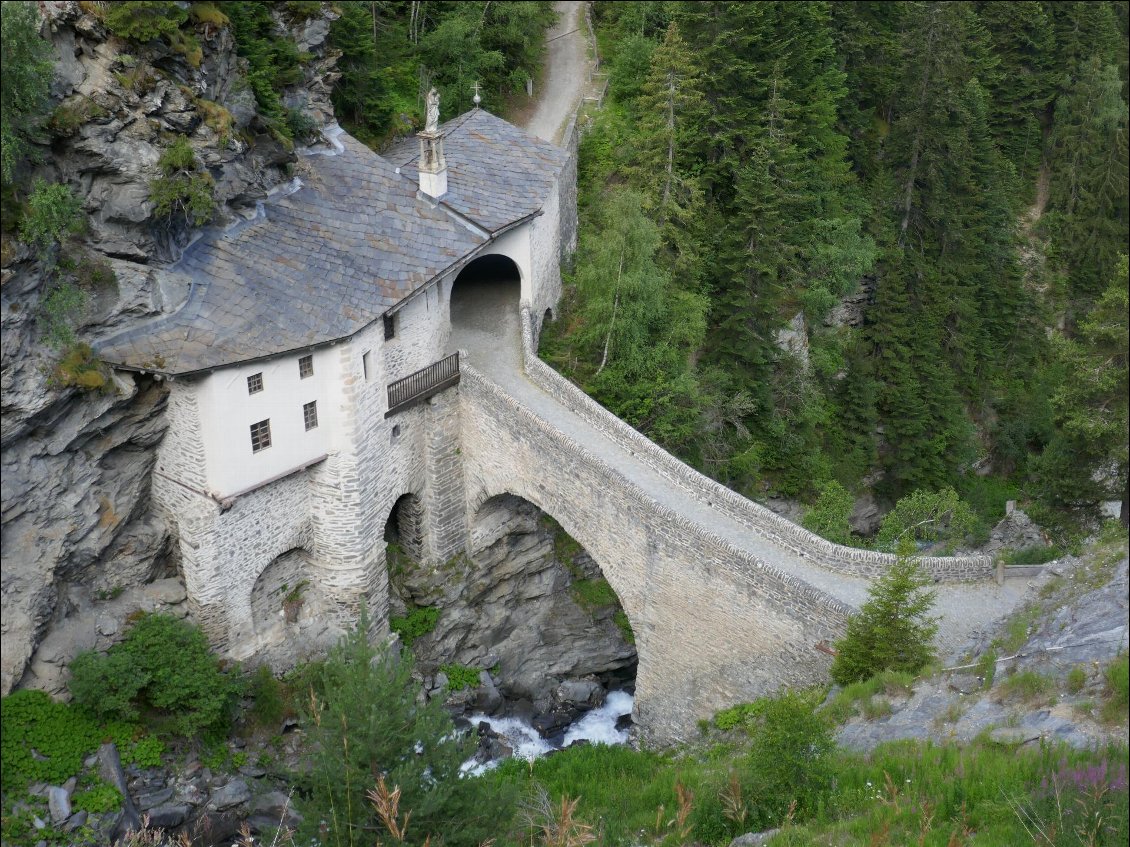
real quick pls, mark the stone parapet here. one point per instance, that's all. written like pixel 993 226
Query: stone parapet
pixel 850 561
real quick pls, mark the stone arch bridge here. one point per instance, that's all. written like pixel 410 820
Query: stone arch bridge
pixel 727 600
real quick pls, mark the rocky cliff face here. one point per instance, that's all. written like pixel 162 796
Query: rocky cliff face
pixel 528 604
pixel 76 462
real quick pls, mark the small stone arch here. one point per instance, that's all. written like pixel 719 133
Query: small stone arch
pixel 405 525
pixel 485 285
pixel 284 594
pixel 547 317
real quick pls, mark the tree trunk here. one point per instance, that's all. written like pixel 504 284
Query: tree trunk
pixel 612 323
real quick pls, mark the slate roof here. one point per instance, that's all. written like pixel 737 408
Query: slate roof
pixel 324 261
pixel 496 172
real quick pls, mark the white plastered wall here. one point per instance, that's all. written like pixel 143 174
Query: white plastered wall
pixel 227 412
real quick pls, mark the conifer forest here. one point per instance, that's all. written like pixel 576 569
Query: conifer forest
pixel 832 248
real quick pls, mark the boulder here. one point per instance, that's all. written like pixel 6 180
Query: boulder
pixel 148 801
pixel 581 693
pixel 754 839
pixel 276 805
pixel 965 683
pixel 231 794
pixel 1013 736
pixel 75 821
pixel 59 804
pixel 167 816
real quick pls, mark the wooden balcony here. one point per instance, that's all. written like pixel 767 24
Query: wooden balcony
pixel 418 387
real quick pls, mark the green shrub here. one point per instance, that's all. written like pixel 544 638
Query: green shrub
pixel 136 78
pixel 593 594
pixel 893 630
pixel 927 516
pixel 80 368
pixel 369 721
pixel 1017 629
pixel 95 273
pixel 790 759
pixel 735 716
pixel 1076 679
pixel 460 676
pixel 855 698
pixel 60 736
pixel 268 706
pixel 163 670
pixel 620 618
pixel 987 668
pixel 134 745
pixel 58 314
pixel 828 517
pixel 70 115
pixel 101 797
pixel 1036 554
pixel 1117 695
pixel 273 58
pixel 418 622
pixel 182 194
pixel 1027 686
pixel 145 752
pixel 300 125
pixel 53 213
pixel 145 20
pixel 178 156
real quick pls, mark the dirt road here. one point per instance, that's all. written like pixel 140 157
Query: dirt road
pixel 565 75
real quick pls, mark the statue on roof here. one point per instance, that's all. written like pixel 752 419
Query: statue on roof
pixel 431 124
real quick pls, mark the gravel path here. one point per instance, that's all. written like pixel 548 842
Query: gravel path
pixel 566 70
pixel 485 323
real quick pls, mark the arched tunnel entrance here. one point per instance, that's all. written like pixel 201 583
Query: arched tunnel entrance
pixel 529 607
pixel 485 309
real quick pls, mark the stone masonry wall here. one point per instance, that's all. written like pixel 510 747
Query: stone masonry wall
pixel 791 536
pixel 567 190
pixel 714 625
pixel 546 246
pixel 445 514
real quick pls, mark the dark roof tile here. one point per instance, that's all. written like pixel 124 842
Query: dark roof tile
pixel 335 255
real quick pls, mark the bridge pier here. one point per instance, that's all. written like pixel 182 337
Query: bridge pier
pixel 445 502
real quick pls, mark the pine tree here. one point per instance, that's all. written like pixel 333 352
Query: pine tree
pixel 671 110
pixel 893 630
pixel 1090 200
pixel 1086 461
pixel 1022 85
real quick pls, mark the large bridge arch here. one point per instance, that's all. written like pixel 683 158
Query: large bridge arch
pixel 713 625
pixel 485 511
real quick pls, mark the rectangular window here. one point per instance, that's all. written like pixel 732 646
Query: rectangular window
pixel 310 414
pixel 306 366
pixel 365 364
pixel 390 327
pixel 260 435
pixel 255 383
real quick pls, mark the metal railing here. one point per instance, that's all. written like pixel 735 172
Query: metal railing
pixel 419 386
